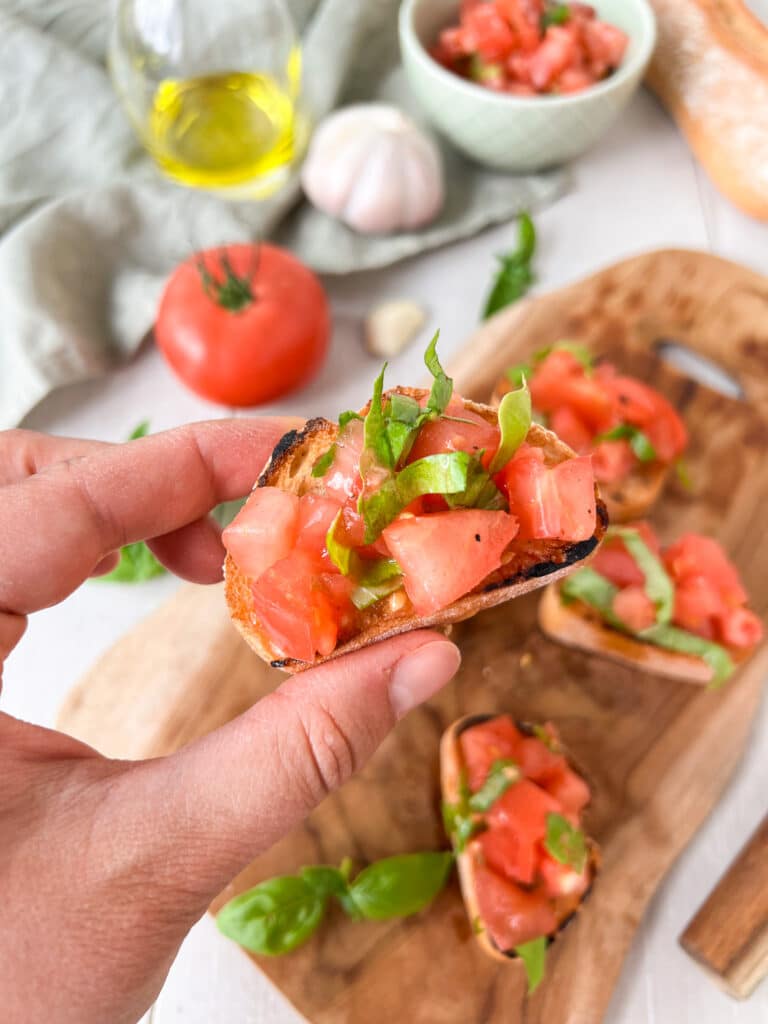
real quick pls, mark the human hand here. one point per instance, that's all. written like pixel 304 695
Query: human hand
pixel 105 865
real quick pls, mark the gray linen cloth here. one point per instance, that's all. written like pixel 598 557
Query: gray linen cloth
pixel 89 230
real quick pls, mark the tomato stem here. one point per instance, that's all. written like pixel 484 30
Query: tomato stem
pixel 231 291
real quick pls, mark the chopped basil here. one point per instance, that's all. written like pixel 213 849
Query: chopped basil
pixel 502 774
pixel 519 374
pixel 480 492
pixel 324 463
pixel 565 843
pixel 680 640
pixel 683 473
pixel 533 954
pixel 514 424
pixel 639 442
pixel 514 276
pixel 434 474
pixel 343 557
pixel 363 596
pixel 594 589
pixel 374 435
pixel 347 417
pixel 459 820
pixel 555 14
pixel 442 386
pixel 580 352
pixel 658 586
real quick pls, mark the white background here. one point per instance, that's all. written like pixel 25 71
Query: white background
pixel 641 189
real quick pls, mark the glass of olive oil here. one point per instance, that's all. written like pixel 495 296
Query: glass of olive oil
pixel 213 89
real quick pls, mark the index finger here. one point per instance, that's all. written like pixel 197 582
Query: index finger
pixel 58 524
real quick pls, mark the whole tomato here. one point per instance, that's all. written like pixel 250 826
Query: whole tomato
pixel 244 324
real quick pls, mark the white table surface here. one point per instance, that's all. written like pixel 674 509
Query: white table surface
pixel 639 190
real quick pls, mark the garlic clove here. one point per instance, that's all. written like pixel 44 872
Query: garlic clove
pixel 391 326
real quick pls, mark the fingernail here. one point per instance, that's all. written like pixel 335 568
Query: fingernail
pixel 420 674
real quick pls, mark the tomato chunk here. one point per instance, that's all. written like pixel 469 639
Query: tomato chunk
pixel 510 914
pixel 343 481
pixel 442 435
pixel 555 502
pixel 562 880
pixel 635 609
pixel 524 807
pixel 569 790
pixel 740 627
pixel 445 555
pixel 481 745
pixel 263 531
pixel 695 555
pixel 510 854
pixel 316 513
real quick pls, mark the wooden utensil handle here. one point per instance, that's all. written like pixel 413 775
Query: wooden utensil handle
pixel 729 934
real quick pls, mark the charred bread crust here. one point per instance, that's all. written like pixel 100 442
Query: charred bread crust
pixel 450 775
pixel 290 467
pixel 578 626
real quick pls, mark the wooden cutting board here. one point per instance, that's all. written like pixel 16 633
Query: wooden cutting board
pixel 658 753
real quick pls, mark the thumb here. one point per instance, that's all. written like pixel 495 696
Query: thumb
pixel 234 793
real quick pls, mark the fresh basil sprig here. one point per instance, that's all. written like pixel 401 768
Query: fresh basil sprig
pixel 534 955
pixel 564 842
pixel 639 441
pixel 280 914
pixel 514 276
pixel 137 563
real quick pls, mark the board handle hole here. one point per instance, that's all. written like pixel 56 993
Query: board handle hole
pixel 700 368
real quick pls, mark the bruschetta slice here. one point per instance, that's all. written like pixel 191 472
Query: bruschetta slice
pixel 420 510
pixel 679 612
pixel 633 433
pixel 513 806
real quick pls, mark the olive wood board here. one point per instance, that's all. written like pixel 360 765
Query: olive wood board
pixel 657 753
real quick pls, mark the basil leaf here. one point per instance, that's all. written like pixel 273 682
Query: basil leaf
pixel 565 843
pixel 365 595
pixel 381 571
pixel 519 374
pixel 374 434
pixel 399 886
pixel 324 880
pixel 442 386
pixel 434 474
pixel 556 14
pixel 533 954
pixel 593 589
pixel 580 352
pixel 137 565
pixel 680 640
pixel 347 417
pixel 324 463
pixel 658 586
pixel 683 473
pixel 514 424
pixel 274 917
pixel 638 441
pixel 502 774
pixel 480 492
pixel 514 276
pixel 402 408
pixel 345 559
pixel 459 823
pixel 139 431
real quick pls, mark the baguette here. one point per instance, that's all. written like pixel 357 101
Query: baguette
pixel 710 69
pixel 450 782
pixel 529 564
pixel 578 626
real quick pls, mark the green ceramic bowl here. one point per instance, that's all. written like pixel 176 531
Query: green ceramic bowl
pixel 520 133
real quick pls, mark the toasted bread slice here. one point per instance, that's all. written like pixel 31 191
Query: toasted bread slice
pixel 578 626
pixel 450 783
pixel 529 565
pixel 631 498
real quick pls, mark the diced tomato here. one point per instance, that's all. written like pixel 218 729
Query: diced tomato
pixel 615 563
pixel 550 502
pixel 740 627
pixel 510 914
pixel 445 555
pixel 551 382
pixel 582 12
pixel 695 555
pixel 612 461
pixel 291 603
pixel 537 760
pixel 524 807
pixel 342 481
pixel 562 880
pixel 263 531
pixel 443 435
pixel 497 739
pixel 605 45
pixel 510 854
pixel 557 52
pixel 569 789
pixel 486 32
pixel 697 605
pixel 572 430
pixel 316 513
pixel 635 609
pixel 525 18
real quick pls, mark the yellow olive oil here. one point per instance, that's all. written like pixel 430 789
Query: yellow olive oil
pixel 224 130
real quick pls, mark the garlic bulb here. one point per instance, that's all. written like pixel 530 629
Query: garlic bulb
pixel 373 168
